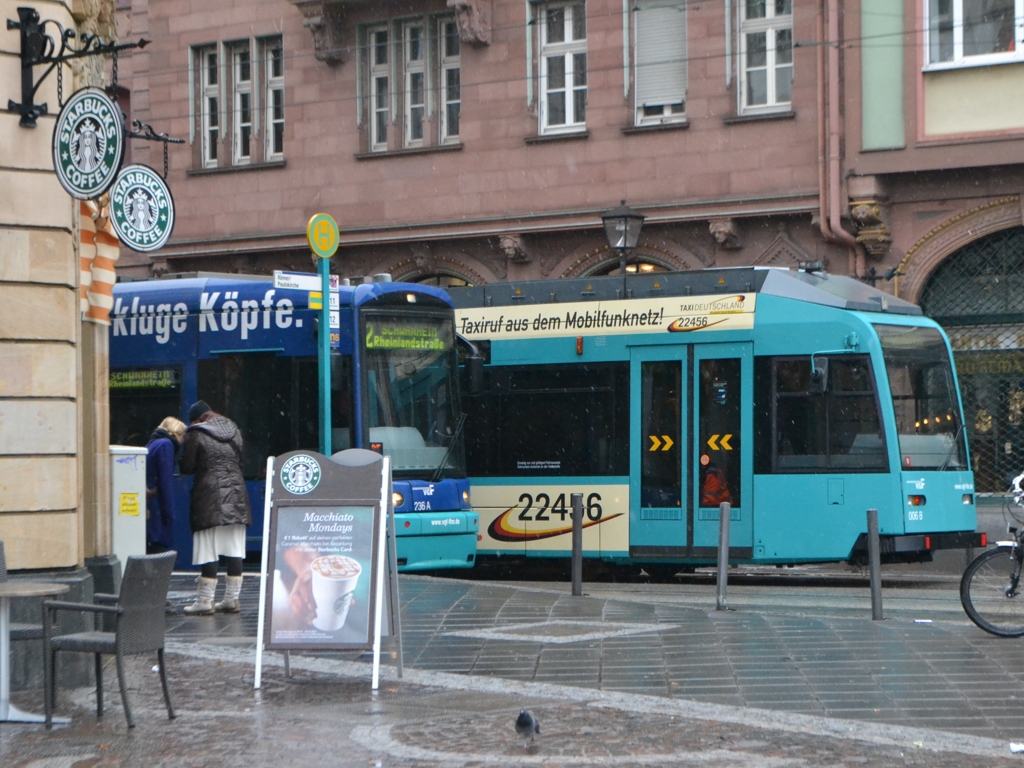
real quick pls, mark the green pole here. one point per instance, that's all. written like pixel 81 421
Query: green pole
pixel 324 356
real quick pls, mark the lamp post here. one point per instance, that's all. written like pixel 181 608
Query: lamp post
pixel 622 227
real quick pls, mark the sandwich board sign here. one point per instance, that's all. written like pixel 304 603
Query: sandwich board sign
pixel 329 571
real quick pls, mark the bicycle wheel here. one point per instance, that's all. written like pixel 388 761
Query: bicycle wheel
pixel 983 593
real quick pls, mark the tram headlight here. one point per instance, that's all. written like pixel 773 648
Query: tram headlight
pixel 465 497
pixel 397 499
pixel 968 498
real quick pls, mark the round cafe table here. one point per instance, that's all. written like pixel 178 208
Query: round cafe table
pixel 8 589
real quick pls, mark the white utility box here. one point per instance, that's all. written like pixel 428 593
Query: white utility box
pixel 128 501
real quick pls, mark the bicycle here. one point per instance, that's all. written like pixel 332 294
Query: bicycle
pixel 990 587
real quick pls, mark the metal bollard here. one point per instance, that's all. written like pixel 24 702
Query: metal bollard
pixel 724 518
pixel 874 566
pixel 577 544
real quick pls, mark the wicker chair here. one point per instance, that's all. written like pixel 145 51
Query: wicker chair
pixel 19 631
pixel 139 628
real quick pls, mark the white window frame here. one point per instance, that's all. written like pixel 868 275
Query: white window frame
pixel 241 104
pixel 449 63
pixel 959 60
pixel 770 25
pixel 415 70
pixel 274 88
pixel 567 50
pixel 210 127
pixel 379 102
pixel 662 59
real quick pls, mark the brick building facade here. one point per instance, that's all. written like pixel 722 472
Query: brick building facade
pixel 481 140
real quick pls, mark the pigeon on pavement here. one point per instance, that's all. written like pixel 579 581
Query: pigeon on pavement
pixel 527 727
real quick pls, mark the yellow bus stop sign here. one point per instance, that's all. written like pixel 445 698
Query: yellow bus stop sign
pixel 322 234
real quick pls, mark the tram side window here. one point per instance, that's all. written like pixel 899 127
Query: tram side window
pixel 556 420
pixel 273 400
pixel 802 429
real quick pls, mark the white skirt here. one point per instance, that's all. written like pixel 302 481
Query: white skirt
pixel 226 540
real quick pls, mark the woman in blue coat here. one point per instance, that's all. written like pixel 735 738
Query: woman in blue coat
pixel 162 450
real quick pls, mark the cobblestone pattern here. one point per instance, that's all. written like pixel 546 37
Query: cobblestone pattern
pixel 319 719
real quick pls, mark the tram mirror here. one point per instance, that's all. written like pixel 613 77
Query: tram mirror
pixel 819 375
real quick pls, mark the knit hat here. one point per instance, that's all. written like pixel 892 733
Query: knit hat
pixel 198 408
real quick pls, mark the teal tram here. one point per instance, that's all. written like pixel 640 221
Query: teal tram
pixel 801 398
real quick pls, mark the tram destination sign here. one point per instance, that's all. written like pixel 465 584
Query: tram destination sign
pixel 142 209
pixel 88 144
pixel 669 315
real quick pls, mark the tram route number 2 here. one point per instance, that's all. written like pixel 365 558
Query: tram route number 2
pixel 545 508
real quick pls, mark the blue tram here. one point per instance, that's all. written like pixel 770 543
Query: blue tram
pixel 248 348
pixel 799 397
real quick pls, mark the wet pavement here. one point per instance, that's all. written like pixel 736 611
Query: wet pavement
pixel 634 674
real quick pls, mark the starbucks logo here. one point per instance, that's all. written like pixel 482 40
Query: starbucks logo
pixel 141 208
pixel 88 144
pixel 300 474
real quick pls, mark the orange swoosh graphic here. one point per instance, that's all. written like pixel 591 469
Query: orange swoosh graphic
pixel 501 530
pixel 676 328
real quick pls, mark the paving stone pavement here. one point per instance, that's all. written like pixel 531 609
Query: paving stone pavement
pixel 613 682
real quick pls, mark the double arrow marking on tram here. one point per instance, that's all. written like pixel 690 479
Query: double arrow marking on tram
pixel 714 442
pixel 656 444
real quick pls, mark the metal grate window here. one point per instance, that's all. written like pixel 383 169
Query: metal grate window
pixel 977 296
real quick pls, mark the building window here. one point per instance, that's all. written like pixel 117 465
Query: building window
pixel 230 80
pixel 451 80
pixel 210 106
pixel 766 55
pixel 379 73
pixel 242 104
pixel 974 31
pixel 563 68
pixel 660 61
pixel 275 100
pixel 415 85
pixel 412 83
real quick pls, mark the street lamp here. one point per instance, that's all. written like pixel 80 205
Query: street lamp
pixel 622 227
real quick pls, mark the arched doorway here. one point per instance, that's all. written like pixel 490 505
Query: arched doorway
pixel 439 280
pixel 633 267
pixel 977 296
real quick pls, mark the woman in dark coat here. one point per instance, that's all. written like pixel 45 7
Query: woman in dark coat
pixel 161 451
pixel 219 510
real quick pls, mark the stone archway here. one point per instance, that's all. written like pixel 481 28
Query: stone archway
pixel 413 270
pixel 595 260
pixel 922 259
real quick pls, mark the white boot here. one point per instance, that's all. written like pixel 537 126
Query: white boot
pixel 203 606
pixel 230 603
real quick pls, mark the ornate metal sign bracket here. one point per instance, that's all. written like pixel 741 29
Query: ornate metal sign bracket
pixel 142 130
pixel 38 47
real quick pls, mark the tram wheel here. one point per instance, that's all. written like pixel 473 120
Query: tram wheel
pixel 983 595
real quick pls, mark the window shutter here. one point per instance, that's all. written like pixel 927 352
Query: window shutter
pixel 660 52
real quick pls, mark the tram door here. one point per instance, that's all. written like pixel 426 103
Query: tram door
pixel 659 523
pixel 722 447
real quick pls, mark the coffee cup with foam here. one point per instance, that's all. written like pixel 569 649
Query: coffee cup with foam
pixel 334 583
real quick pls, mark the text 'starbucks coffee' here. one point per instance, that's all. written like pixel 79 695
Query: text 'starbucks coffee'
pixel 141 208
pixel 88 144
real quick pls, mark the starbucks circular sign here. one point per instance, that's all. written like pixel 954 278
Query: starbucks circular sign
pixel 88 144
pixel 141 208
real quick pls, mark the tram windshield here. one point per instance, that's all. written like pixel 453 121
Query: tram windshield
pixel 413 409
pixel 924 397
